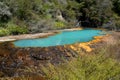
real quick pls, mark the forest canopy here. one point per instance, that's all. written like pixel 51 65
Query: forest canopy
pixel 32 16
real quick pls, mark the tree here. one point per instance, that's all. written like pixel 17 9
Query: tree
pixel 96 12
pixel 116 7
pixel 5 13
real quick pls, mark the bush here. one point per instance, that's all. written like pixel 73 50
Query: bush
pixel 118 23
pixel 15 29
pixel 117 20
pixel 2 25
pixel 88 67
pixel 4 32
pixel 59 25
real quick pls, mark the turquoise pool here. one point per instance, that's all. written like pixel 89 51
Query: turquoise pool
pixel 65 37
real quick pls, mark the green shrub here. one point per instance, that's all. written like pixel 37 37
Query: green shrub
pixel 15 29
pixel 4 32
pixel 89 67
pixel 118 23
pixel 117 20
pixel 59 25
pixel 2 25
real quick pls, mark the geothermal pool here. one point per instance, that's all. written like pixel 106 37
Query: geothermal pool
pixel 63 38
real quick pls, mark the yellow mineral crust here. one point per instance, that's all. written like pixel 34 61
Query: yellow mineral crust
pixel 86 45
pixel 72 47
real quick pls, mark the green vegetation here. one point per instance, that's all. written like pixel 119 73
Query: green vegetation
pixel 93 68
pixel 99 66
pixel 59 25
pixel 15 29
pixel 4 32
pixel 12 29
pixel 57 12
pixel 117 20
pixel 116 7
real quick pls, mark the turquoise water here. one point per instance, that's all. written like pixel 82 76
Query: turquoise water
pixel 65 37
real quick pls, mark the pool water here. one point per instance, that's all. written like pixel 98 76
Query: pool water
pixel 65 37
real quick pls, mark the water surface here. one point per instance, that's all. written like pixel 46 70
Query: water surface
pixel 65 37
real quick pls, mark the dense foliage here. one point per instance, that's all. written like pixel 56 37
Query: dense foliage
pixel 87 68
pixel 41 15
pixel 116 4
